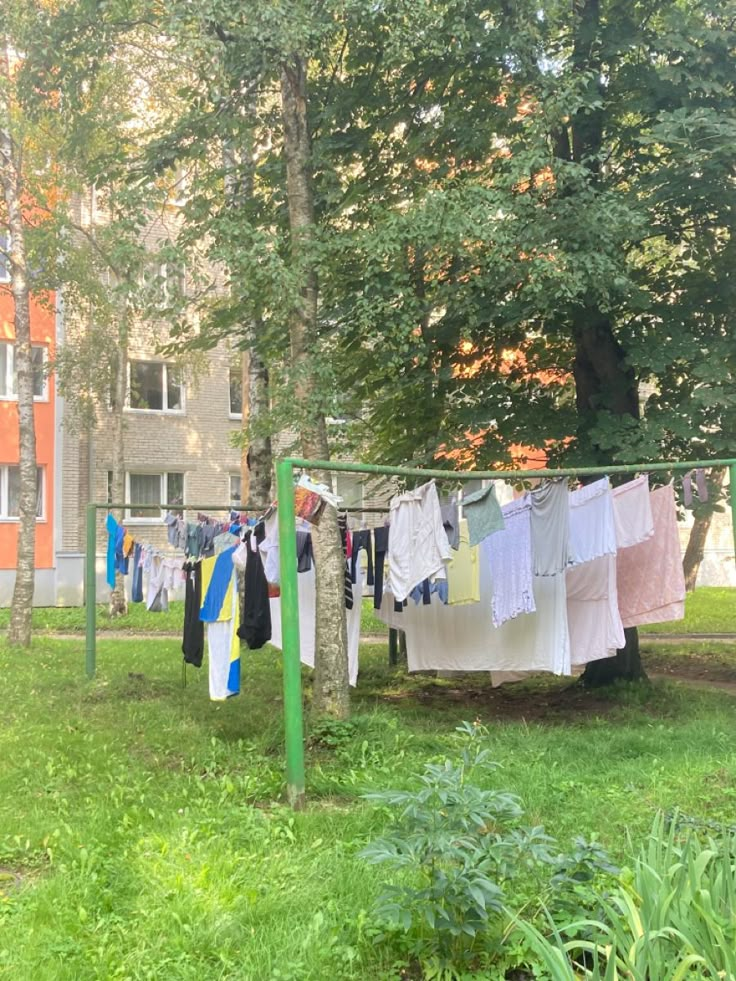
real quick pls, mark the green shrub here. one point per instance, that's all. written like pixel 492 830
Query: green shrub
pixel 456 848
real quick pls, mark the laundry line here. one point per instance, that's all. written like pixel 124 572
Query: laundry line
pixel 285 472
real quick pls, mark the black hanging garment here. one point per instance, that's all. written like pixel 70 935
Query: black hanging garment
pixel 362 539
pixel 342 523
pixel 304 551
pixel 255 620
pixel 192 644
pixel 380 539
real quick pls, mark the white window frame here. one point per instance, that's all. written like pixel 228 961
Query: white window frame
pixel 156 518
pixel 11 374
pixel 5 518
pixel 345 503
pixel 5 250
pixel 231 498
pixel 165 365
pixel 230 413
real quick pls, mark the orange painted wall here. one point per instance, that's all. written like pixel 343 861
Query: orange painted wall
pixel 42 332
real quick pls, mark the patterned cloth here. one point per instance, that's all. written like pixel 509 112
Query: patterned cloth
pixel 651 583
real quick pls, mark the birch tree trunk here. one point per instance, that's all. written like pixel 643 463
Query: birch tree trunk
pixel 256 462
pixel 19 630
pixel 245 414
pixel 118 599
pixel 331 693
pixel 260 452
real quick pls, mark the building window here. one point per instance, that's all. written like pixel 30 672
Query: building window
pixel 9 377
pixel 164 282
pixel 236 391
pixel 4 257
pixel 152 488
pixel 155 387
pixel 235 488
pixel 349 487
pixel 10 493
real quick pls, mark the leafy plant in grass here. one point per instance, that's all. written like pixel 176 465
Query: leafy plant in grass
pixel 457 846
pixel 672 916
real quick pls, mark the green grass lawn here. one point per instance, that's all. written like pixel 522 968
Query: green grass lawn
pixel 71 619
pixel 708 610
pixel 142 833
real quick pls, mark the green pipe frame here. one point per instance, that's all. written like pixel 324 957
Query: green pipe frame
pixel 293 712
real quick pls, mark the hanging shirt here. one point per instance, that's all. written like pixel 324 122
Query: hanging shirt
pixel 306 582
pixel 157 599
pixel 451 523
pixel 112 533
pixel 483 514
pixel 651 582
pixel 194 539
pixel 632 512
pixel 172 534
pixel 417 548
pixel 592 525
pixel 463 571
pixel 509 556
pixel 269 549
pixel 550 528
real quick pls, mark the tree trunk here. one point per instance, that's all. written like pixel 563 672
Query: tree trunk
pixel 118 599
pixel 699 532
pixel 245 415
pixel 625 666
pixel 603 380
pixel 331 693
pixel 256 462
pixel 260 453
pixel 19 630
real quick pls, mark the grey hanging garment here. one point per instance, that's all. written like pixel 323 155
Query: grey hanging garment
pixel 550 528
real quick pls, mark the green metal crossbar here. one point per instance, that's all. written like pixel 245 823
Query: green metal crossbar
pixel 293 718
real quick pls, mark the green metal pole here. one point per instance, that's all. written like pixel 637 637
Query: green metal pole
pixel 732 482
pixel 451 475
pixel 90 590
pixel 293 722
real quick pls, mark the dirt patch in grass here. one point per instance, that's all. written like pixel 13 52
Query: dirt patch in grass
pixel 695 667
pixel 11 879
pixel 136 687
pixel 569 703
